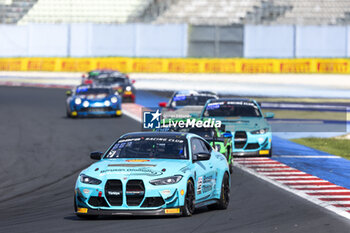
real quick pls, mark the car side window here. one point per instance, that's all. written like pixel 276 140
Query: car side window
pixel 199 146
pixel 208 146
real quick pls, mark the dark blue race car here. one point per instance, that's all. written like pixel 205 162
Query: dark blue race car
pixel 87 100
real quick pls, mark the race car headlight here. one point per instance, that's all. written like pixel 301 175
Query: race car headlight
pixel 114 99
pixel 89 180
pixel 167 180
pixel 107 103
pixel 86 104
pixel 77 101
pixel 128 88
pixel 260 131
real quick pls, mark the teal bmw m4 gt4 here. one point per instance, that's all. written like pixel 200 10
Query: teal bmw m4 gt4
pixel 153 173
pixel 245 123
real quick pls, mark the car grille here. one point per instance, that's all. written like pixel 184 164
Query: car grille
pixel 98 202
pixel 135 191
pixel 153 202
pixel 240 139
pixel 114 192
pixel 252 146
pixel 96 109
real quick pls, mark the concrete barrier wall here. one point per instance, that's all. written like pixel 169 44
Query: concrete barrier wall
pixel 261 41
pixel 89 40
pixel 173 40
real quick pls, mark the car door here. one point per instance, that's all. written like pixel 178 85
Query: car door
pixel 205 174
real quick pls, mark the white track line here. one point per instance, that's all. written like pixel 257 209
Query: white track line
pixel 310 156
pixel 127 113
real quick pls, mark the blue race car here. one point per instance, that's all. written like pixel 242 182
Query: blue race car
pixel 87 100
pixel 153 173
pixel 182 103
pixel 244 121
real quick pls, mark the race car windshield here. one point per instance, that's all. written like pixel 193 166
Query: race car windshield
pixel 92 91
pixel 118 80
pixel 184 100
pixel 149 148
pixel 89 91
pixel 232 109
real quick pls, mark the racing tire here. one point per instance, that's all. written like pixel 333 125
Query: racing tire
pixel 270 153
pixel 231 168
pixel 224 200
pixel 189 207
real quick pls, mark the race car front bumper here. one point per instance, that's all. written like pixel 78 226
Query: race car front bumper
pixel 153 212
pixel 257 153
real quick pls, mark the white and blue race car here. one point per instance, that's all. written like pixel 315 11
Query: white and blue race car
pixel 153 173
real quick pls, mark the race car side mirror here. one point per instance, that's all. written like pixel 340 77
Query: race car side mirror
pixel 201 156
pixel 227 134
pixel 68 93
pixel 162 104
pixel 133 81
pixel 223 128
pixel 269 115
pixel 96 155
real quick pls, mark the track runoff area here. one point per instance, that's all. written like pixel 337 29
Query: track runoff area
pixel 285 170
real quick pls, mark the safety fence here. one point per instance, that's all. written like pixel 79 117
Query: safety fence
pixel 179 65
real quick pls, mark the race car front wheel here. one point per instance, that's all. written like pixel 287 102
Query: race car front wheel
pixel 189 207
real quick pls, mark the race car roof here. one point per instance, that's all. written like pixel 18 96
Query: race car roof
pixel 156 134
pixel 231 99
pixel 192 92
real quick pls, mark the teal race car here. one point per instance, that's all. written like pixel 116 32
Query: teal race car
pixel 245 123
pixel 216 136
pixel 153 173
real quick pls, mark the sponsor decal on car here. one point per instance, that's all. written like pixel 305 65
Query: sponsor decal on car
pixel 131 171
pixel 199 185
pixel 137 160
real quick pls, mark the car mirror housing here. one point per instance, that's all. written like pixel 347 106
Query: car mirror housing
pixel 68 93
pixel 162 104
pixel 227 134
pixel 201 156
pixel 269 115
pixel 96 155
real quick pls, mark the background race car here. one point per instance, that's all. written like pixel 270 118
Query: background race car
pixel 216 136
pixel 153 173
pixel 243 118
pixel 182 103
pixel 87 100
pixel 120 82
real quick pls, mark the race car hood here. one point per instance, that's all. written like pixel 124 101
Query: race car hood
pixel 137 168
pixel 243 123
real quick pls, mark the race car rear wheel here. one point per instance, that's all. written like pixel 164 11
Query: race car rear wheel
pixel 189 207
pixel 224 196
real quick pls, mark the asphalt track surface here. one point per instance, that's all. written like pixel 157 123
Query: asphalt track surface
pixel 42 152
